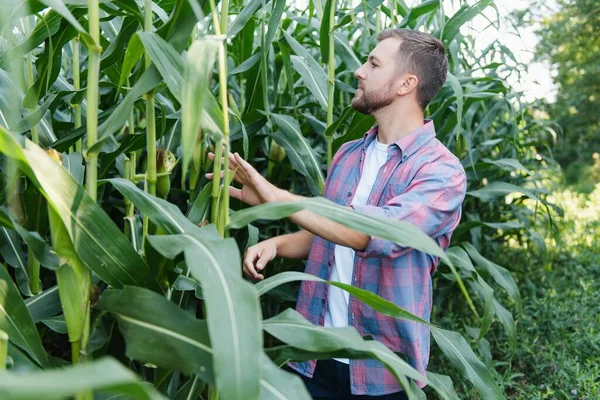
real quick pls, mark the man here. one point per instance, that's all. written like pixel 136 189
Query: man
pixel 399 171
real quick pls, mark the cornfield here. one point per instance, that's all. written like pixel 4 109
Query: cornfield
pixel 122 262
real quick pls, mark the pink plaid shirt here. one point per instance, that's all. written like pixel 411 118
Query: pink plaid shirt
pixel 423 183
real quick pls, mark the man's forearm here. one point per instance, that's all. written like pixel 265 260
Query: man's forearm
pixel 294 245
pixel 325 228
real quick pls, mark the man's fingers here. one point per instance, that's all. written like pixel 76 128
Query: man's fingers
pixel 235 193
pixel 262 262
pixel 249 264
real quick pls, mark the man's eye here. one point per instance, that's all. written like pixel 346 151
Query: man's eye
pixel 373 65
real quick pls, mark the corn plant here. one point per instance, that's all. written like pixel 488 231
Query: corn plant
pixel 104 142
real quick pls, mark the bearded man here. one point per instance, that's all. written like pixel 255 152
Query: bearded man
pixel 399 171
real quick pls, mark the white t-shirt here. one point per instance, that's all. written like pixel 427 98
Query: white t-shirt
pixel 343 267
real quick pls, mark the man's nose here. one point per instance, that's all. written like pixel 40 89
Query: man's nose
pixel 358 73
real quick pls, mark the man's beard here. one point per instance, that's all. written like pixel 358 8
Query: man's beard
pixel 370 102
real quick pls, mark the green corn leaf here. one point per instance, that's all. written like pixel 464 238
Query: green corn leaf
pixel 16 321
pixel 444 384
pixel 371 299
pixel 11 249
pixel 501 275
pixel 232 306
pixel 508 322
pixel 62 9
pixel 497 189
pixel 244 16
pixel 507 164
pixel 292 328
pixel 97 240
pixel 465 14
pixel 44 305
pixel 417 11
pixel 162 213
pixel 400 232
pixel 326 25
pixel 487 294
pixel 73 281
pixel 309 69
pixel 277 384
pixel 464 359
pixel 133 55
pixel 146 319
pixel 105 375
pixel 197 70
pixel 302 156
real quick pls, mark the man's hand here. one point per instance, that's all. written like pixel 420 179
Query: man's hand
pixel 255 188
pixel 257 257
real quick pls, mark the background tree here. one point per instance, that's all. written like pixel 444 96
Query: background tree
pixel 569 41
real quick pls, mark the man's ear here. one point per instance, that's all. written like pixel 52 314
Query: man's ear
pixel 408 83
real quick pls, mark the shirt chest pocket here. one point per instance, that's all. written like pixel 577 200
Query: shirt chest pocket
pixel 393 189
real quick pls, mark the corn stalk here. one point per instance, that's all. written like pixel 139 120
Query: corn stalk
pixel 220 197
pixel 330 78
pixel 150 125
pixel 76 87
pixel 33 265
pixel 3 348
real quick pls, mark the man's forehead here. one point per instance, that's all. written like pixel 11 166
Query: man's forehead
pixel 386 49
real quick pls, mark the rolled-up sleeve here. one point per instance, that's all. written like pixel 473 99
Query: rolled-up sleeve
pixel 432 202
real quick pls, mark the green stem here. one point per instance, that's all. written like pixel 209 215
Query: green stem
pixel 224 15
pixel 76 86
pixel 366 19
pixel 213 393
pixel 33 265
pixel 151 139
pixel 378 20
pixel 130 174
pixel 75 349
pixel 220 210
pixel 150 124
pixel 330 80
pixel 193 388
pixel 3 349
pixel 92 99
pixel 392 8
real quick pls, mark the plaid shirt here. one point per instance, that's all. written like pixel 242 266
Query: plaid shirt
pixel 423 183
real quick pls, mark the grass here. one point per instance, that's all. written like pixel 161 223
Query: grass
pixel 557 355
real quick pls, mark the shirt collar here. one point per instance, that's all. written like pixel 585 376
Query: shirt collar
pixel 408 144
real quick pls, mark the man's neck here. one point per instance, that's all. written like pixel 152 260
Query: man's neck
pixel 394 124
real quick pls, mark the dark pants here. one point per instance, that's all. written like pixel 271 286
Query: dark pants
pixel 331 380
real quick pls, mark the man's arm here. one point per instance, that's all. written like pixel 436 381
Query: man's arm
pixel 294 245
pixel 323 227
pixel 257 190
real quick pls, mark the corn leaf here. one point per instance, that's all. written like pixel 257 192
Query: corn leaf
pixel 17 323
pixel 197 70
pixel 106 375
pixel 97 240
pixel 147 319
pixel 232 307
pixel 402 233
pixel 371 299
pixel 460 354
pixel 292 328
pixel 302 156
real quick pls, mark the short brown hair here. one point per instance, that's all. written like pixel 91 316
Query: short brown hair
pixel 422 55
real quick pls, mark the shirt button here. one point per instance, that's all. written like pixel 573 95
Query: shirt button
pixel 349 194
pixel 352 315
pixel 329 263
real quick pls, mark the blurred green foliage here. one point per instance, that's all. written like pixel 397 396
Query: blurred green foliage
pixel 569 41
